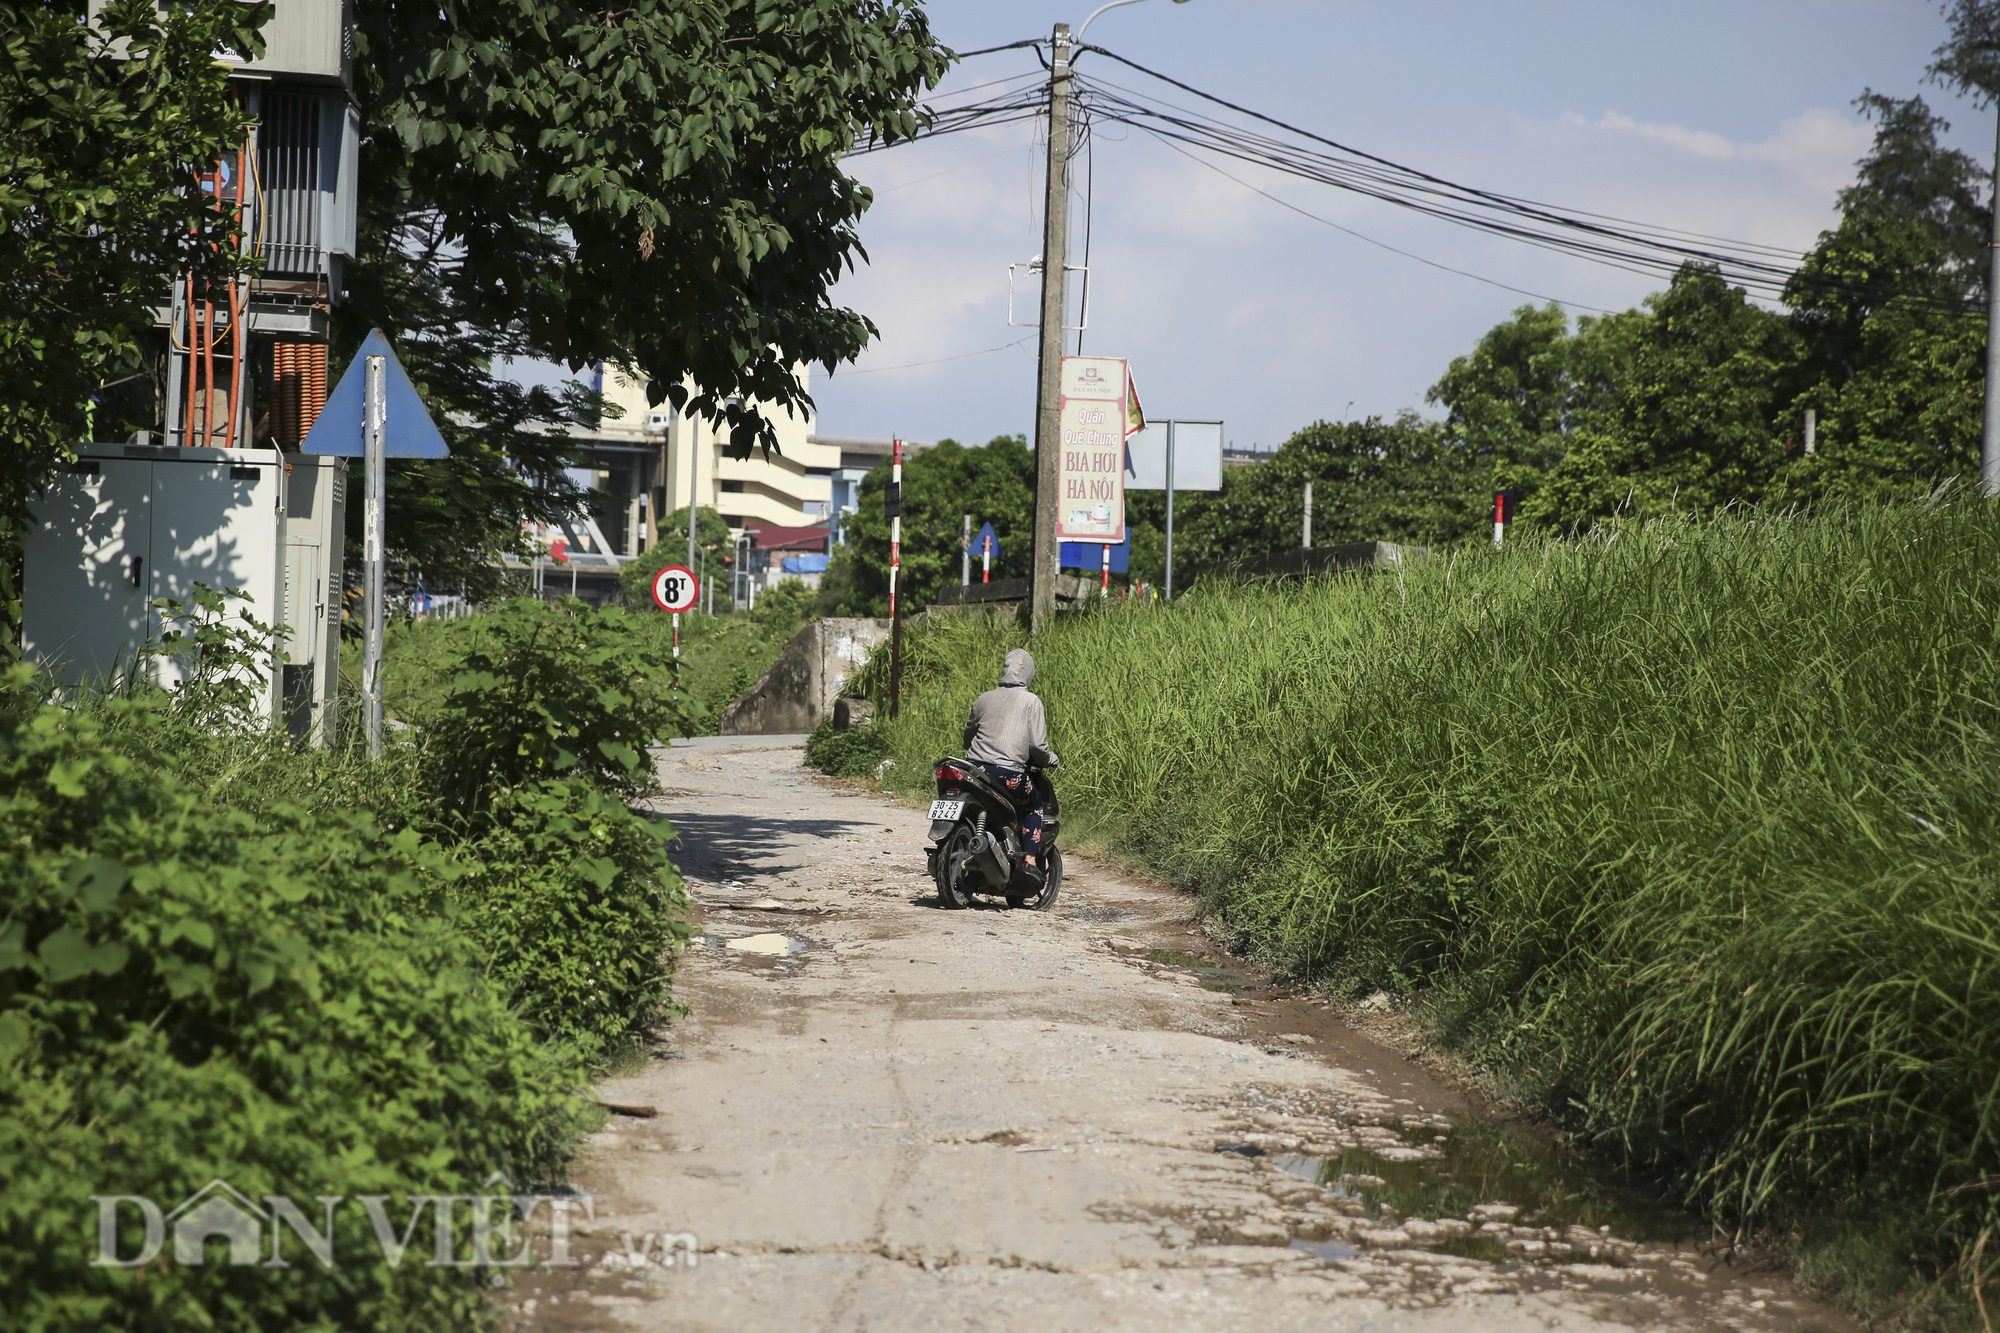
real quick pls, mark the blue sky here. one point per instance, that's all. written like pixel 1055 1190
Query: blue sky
pixel 1731 119
pixel 1735 120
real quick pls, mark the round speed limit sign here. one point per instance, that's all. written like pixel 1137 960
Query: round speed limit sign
pixel 675 588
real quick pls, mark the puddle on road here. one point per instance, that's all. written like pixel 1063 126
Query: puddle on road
pixel 1327 1250
pixel 768 945
pixel 1480 1172
pixel 1211 972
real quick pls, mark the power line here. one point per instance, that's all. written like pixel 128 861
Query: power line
pixel 936 361
pixel 1384 245
pixel 1641 248
pixel 1645 249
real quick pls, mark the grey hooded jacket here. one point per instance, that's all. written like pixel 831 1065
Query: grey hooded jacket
pixel 1008 726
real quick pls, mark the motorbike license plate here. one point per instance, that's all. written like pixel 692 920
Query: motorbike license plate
pixel 947 809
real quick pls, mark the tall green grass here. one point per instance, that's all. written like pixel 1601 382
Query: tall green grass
pixel 1689 829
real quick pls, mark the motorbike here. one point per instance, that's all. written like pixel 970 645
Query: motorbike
pixel 976 844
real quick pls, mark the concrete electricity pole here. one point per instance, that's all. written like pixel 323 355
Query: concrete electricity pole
pixel 1989 444
pixel 1045 562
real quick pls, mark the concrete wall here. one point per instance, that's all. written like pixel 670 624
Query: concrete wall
pixel 799 689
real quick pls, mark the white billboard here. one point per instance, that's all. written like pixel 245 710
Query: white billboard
pixel 1197 447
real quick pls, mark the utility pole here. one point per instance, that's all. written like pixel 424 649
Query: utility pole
pixel 1048 385
pixel 1306 522
pixel 965 552
pixel 1989 444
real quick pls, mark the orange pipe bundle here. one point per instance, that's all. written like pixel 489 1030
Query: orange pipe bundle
pixel 282 384
pixel 313 385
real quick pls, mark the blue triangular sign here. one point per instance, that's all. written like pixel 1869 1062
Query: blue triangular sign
pixel 408 431
pixel 979 539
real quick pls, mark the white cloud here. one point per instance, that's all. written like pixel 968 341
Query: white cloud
pixel 1818 146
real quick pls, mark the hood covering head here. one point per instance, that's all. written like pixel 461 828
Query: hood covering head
pixel 1019 668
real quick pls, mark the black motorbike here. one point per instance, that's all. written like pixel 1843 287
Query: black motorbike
pixel 976 840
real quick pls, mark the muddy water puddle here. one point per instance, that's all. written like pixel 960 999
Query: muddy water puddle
pixel 1210 971
pixel 1483 1165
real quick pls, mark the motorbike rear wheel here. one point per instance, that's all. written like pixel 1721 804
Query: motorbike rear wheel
pixel 954 867
pixel 1051 886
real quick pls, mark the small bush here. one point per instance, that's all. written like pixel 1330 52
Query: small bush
pixel 189 991
pixel 579 913
pixel 845 754
pixel 544 690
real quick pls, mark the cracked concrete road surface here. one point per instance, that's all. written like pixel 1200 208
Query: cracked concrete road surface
pixel 883 1115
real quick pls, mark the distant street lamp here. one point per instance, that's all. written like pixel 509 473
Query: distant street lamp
pixel 1101 8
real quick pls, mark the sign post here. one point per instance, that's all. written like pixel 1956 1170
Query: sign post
pixel 376 413
pixel 676 589
pixel 374 474
pixel 1176 456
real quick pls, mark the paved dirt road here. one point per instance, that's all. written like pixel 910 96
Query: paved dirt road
pixel 912 1118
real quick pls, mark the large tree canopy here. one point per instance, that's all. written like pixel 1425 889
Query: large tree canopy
pixel 102 131
pixel 656 184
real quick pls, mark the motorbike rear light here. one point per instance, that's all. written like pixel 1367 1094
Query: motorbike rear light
pixel 948 773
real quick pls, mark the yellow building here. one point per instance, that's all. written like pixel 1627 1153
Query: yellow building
pixel 655 459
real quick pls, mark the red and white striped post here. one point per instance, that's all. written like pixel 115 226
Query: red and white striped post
pixel 1499 518
pixel 986 559
pixel 1104 588
pixel 895 569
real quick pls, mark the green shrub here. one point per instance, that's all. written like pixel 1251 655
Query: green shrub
pixel 191 992
pixel 543 690
pixel 783 607
pixel 579 913
pixel 635 576
pixel 1690 829
pixel 845 754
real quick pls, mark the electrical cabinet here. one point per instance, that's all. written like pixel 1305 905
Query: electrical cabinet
pixel 315 578
pixel 129 525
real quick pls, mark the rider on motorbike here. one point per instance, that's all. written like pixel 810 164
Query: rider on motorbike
pixel 1006 734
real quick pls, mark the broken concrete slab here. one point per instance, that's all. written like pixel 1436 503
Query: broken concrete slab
pixel 800 688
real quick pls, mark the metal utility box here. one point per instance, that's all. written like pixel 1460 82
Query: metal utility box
pixel 305 39
pixel 129 524
pixel 315 530
pixel 309 39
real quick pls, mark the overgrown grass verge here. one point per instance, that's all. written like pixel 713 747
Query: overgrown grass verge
pixel 311 974
pixel 1689 829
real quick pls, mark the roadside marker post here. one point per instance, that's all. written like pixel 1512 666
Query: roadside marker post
pixel 892 503
pixel 1503 514
pixel 988 542
pixel 676 589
